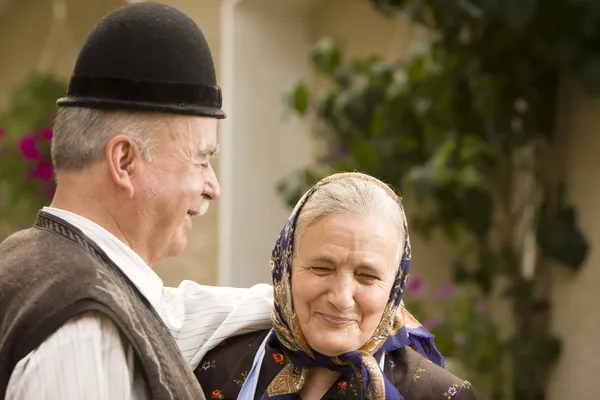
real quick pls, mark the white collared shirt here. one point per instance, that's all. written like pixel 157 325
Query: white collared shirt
pixel 88 358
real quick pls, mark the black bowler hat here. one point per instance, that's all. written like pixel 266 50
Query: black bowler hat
pixel 147 57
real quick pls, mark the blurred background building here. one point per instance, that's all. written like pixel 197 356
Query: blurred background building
pixel 261 49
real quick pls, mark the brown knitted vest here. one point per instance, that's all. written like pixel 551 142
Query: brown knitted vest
pixel 51 273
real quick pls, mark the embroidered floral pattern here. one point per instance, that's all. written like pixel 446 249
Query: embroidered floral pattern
pixel 216 394
pixel 346 386
pixel 416 375
pixel 206 365
pixel 279 358
pixel 451 392
pixel 242 379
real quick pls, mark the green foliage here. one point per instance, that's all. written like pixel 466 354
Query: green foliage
pixel 26 182
pixel 462 125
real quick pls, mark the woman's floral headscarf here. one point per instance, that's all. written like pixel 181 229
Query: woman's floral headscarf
pixel 396 329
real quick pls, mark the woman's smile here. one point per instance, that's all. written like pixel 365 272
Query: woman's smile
pixel 336 321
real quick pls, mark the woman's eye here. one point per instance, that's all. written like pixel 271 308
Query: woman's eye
pixel 369 278
pixel 320 270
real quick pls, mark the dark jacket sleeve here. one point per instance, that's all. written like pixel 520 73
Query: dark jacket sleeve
pixel 467 394
pixel 419 379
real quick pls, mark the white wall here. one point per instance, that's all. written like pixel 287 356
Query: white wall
pixel 264 50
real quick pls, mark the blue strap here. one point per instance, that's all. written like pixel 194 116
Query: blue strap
pixel 248 390
pixel 382 361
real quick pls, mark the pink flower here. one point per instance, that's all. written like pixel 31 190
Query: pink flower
pixel 416 286
pixel 46 133
pixel 2 133
pixel 480 306
pixel 43 171
pixel 28 148
pixel 432 321
pixel 445 291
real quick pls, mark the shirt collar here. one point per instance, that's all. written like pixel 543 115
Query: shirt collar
pixel 127 260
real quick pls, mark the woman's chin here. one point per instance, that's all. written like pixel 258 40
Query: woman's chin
pixel 332 349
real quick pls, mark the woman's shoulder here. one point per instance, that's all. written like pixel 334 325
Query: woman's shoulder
pixel 238 345
pixel 232 353
pixel 223 370
pixel 418 378
pixel 242 341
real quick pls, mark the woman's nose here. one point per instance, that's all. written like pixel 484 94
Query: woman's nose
pixel 341 294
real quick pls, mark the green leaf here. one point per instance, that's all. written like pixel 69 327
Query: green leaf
pixel 327 55
pixel 420 179
pixel 293 187
pixel 559 238
pixel 364 154
pixel 477 212
pixel 378 122
pixel 460 272
pixel 326 105
pixel 298 98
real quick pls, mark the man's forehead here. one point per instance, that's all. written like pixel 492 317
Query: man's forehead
pixel 202 133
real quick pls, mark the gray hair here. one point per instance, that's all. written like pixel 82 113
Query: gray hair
pixel 80 134
pixel 354 196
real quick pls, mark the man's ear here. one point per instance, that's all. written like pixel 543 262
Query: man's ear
pixel 122 154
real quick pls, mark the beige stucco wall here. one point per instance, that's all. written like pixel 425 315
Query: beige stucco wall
pixel 576 295
pixel 24 28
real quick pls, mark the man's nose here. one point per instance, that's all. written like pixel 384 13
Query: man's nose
pixel 212 189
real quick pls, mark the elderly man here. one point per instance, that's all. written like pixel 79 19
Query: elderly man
pixel 132 148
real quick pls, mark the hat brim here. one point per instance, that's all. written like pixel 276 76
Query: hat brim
pixel 112 104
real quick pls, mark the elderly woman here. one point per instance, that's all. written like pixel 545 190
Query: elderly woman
pixel 340 330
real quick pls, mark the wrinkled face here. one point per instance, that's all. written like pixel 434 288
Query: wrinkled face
pixel 342 274
pixel 178 183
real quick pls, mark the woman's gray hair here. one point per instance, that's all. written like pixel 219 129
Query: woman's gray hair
pixel 80 134
pixel 354 196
